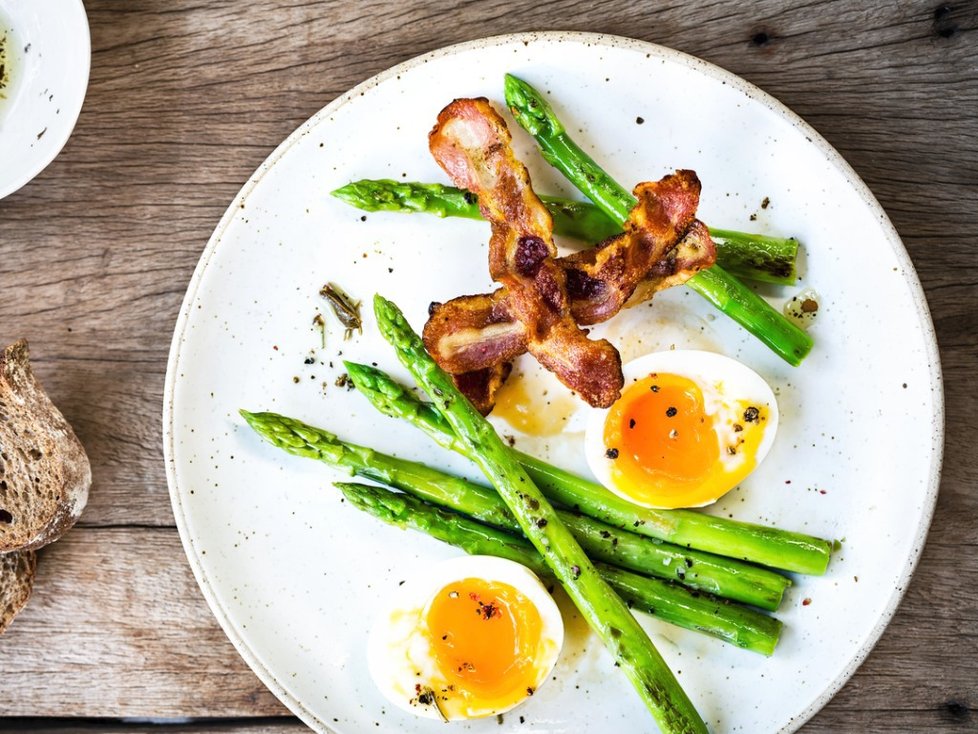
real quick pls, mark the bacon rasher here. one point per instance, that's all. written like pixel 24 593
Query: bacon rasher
pixel 471 142
pixel 603 279
pixel 475 337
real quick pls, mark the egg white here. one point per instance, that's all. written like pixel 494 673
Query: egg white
pixel 726 385
pixel 399 654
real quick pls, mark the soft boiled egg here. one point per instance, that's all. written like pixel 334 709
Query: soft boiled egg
pixel 689 427
pixel 471 637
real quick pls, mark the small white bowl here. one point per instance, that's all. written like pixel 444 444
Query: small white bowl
pixel 48 52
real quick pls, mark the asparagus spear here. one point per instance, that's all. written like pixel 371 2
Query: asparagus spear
pixel 782 549
pixel 724 291
pixel 756 256
pixel 668 601
pixel 702 571
pixel 577 219
pixel 753 256
pixel 604 610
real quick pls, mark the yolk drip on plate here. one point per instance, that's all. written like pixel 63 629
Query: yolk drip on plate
pixel 671 449
pixel 530 411
pixel 484 636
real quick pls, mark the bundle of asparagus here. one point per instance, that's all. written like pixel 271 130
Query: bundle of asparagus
pixel 696 582
pixel 702 552
pixel 780 549
pixel 481 523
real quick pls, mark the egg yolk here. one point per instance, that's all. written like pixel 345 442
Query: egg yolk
pixel 665 447
pixel 485 637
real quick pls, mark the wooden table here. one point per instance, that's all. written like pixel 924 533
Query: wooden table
pixel 186 99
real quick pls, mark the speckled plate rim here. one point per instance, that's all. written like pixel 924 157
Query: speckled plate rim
pixel 16 183
pixel 598 40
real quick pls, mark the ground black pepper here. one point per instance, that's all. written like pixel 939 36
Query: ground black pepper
pixel 487 611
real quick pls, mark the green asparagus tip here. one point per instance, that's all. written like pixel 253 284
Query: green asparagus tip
pixel 296 437
pixel 362 372
pixel 531 110
pixel 393 508
pixel 358 194
pixel 368 379
pixel 358 494
pixel 388 506
pixel 395 327
pixel 385 310
pixel 266 425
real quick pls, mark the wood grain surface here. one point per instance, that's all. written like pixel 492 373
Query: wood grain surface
pixel 187 98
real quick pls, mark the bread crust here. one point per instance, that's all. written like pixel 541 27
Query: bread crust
pixel 16 583
pixel 45 474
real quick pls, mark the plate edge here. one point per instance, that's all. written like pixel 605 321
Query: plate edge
pixel 613 41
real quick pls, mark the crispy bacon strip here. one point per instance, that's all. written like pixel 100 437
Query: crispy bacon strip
pixel 694 252
pixel 472 333
pixel 601 280
pixel 481 386
pixel 472 144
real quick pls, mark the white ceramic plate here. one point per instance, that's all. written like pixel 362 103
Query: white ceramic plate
pixel 48 57
pixel 295 576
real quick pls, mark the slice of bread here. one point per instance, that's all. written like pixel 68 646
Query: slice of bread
pixel 16 582
pixel 44 472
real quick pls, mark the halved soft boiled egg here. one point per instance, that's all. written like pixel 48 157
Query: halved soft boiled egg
pixel 689 427
pixel 471 637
